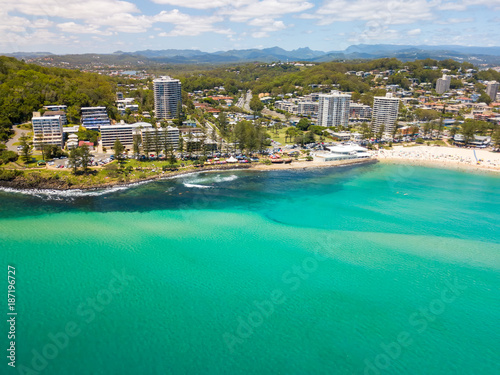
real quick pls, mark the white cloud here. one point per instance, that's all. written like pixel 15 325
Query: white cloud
pixel 187 25
pixel 72 9
pixel 450 21
pixel 59 22
pixel 13 25
pixel 265 26
pixel 380 11
pixel 452 6
pixel 74 28
pixel 125 22
pixel 260 34
pixel 15 41
pixel 265 8
pixel 373 32
pixel 198 4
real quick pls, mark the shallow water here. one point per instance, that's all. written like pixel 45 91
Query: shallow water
pixel 377 269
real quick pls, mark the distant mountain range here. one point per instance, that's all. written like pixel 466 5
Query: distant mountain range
pixel 476 55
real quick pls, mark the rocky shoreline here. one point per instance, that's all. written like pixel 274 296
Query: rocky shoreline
pixel 34 182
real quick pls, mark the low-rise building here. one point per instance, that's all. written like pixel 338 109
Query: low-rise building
pixel 360 111
pixel 342 152
pixel 72 142
pixel 286 105
pixel 308 108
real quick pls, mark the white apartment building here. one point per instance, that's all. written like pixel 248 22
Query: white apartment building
pixel 334 109
pixel 167 92
pixel 385 113
pixel 443 84
pixel 47 130
pixel 492 89
pixel 124 132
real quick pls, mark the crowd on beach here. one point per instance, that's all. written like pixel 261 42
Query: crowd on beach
pixel 442 155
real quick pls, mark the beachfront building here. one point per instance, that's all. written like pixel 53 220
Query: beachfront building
pixel 167 92
pixel 342 152
pixel 334 109
pixel 385 113
pixel 94 117
pixel 162 137
pixel 492 89
pixel 47 130
pixel 443 84
pixel 123 132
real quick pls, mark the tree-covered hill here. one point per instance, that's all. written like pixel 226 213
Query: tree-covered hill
pixel 25 88
pixel 284 78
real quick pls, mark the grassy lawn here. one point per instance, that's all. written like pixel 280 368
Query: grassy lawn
pixel 280 137
pixel 31 163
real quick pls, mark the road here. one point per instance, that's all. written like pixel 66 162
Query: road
pixel 15 139
pixel 244 101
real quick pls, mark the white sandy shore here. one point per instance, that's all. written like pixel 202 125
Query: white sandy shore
pixel 442 157
pixel 308 164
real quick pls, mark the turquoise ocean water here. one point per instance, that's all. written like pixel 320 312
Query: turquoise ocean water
pixel 376 269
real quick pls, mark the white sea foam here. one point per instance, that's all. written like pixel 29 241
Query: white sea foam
pixel 211 179
pixel 218 178
pixel 197 186
pixel 54 194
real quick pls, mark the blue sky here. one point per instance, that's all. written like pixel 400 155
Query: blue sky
pixel 102 26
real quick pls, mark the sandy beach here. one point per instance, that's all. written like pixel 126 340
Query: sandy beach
pixel 441 157
pixel 309 164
